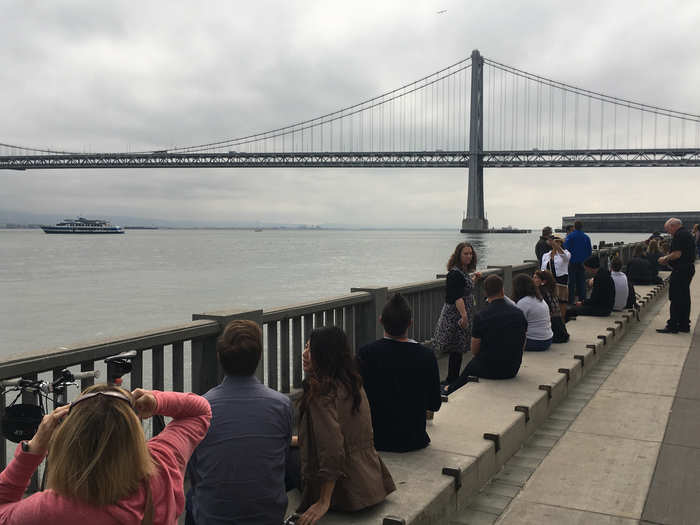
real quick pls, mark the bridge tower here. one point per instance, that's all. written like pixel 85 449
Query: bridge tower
pixel 476 220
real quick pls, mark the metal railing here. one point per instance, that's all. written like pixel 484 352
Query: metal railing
pixel 183 357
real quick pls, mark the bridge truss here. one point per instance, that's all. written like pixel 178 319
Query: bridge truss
pixel 397 159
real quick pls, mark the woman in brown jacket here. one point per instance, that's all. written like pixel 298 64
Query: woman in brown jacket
pixel 339 465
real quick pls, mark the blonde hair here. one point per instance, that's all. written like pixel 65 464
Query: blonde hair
pixel 98 454
pixel 557 248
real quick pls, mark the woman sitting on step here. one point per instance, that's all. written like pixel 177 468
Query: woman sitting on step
pixel 340 467
pixel 529 300
pixel 545 283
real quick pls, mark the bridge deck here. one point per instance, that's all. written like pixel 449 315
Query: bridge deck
pixel 397 159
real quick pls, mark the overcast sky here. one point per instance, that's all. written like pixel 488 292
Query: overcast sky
pixel 118 75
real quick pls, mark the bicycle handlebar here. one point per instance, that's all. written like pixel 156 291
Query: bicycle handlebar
pixel 8 383
pixel 67 377
pixel 124 356
pixel 89 374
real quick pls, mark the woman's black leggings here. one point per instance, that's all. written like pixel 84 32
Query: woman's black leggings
pixel 454 366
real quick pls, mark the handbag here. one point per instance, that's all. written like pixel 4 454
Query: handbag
pixel 561 290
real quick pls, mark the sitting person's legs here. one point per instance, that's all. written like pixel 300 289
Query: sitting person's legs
pixel 478 368
pixel 534 345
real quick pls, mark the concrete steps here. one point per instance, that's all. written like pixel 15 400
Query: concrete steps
pixel 485 424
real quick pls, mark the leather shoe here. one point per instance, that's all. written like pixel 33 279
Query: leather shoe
pixel 684 330
pixel 667 330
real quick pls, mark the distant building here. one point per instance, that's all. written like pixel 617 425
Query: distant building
pixel 630 222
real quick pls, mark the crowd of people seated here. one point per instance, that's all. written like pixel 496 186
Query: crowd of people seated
pixel 238 443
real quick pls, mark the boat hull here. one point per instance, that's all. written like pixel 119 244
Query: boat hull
pixel 86 231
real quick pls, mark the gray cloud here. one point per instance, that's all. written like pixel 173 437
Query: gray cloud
pixel 94 76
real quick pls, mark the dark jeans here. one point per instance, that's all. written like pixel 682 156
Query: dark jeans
pixel 454 365
pixel 577 282
pixel 679 295
pixel 481 368
pixel 585 309
pixel 534 345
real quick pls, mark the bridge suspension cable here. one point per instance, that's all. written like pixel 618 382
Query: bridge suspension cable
pixel 522 111
pixel 554 126
pixel 438 100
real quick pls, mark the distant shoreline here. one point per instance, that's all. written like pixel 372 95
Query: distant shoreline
pixel 242 228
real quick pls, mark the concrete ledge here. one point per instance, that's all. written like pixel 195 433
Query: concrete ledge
pixel 483 424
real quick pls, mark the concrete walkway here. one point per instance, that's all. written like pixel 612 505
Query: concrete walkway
pixel 624 448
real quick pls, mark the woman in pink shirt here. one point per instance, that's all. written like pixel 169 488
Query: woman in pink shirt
pixel 101 468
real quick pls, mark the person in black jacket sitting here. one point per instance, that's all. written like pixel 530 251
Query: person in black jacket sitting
pixel 602 298
pixel 498 338
pixel 639 269
pixel 402 382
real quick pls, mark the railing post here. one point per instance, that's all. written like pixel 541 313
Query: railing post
pixel 368 327
pixel 507 278
pixel 206 372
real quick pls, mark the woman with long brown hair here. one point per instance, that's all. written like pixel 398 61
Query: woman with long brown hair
pixel 453 330
pixel 528 298
pixel 101 468
pixel 544 281
pixel 340 468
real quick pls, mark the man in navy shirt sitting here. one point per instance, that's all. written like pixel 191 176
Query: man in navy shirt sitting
pixel 602 299
pixel 498 338
pixel 402 382
pixel 238 471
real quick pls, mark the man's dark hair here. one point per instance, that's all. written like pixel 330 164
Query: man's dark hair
pixel 578 225
pixel 396 315
pixel 592 262
pixel 546 231
pixel 239 348
pixel 616 264
pixel 493 285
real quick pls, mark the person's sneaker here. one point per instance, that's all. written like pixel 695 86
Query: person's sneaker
pixel 667 330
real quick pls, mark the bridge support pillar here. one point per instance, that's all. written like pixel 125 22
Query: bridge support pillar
pixel 475 221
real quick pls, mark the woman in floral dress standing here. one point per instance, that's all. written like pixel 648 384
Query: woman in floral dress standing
pixel 453 331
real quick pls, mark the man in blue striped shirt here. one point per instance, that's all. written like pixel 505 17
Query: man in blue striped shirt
pixel 238 471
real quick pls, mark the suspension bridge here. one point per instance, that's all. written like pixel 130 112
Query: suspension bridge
pixel 477 113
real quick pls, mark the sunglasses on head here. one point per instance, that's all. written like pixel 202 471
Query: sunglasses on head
pixel 107 393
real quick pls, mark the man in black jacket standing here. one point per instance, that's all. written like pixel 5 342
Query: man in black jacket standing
pixel 402 382
pixel 543 245
pixel 682 261
pixel 602 298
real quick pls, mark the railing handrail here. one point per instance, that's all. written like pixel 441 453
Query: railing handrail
pixel 44 360
pixel 328 303
pixel 37 361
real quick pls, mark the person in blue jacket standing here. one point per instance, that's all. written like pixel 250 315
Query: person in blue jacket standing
pixel 579 244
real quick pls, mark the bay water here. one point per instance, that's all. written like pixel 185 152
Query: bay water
pixel 59 290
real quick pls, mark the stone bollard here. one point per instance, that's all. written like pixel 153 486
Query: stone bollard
pixel 367 325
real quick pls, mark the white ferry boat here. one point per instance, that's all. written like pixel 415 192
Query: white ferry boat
pixel 83 225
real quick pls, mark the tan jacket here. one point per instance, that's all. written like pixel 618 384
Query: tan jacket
pixel 337 444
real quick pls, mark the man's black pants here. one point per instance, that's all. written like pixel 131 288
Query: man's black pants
pixel 679 295
pixel 480 368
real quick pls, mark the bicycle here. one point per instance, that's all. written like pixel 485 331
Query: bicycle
pixel 21 420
